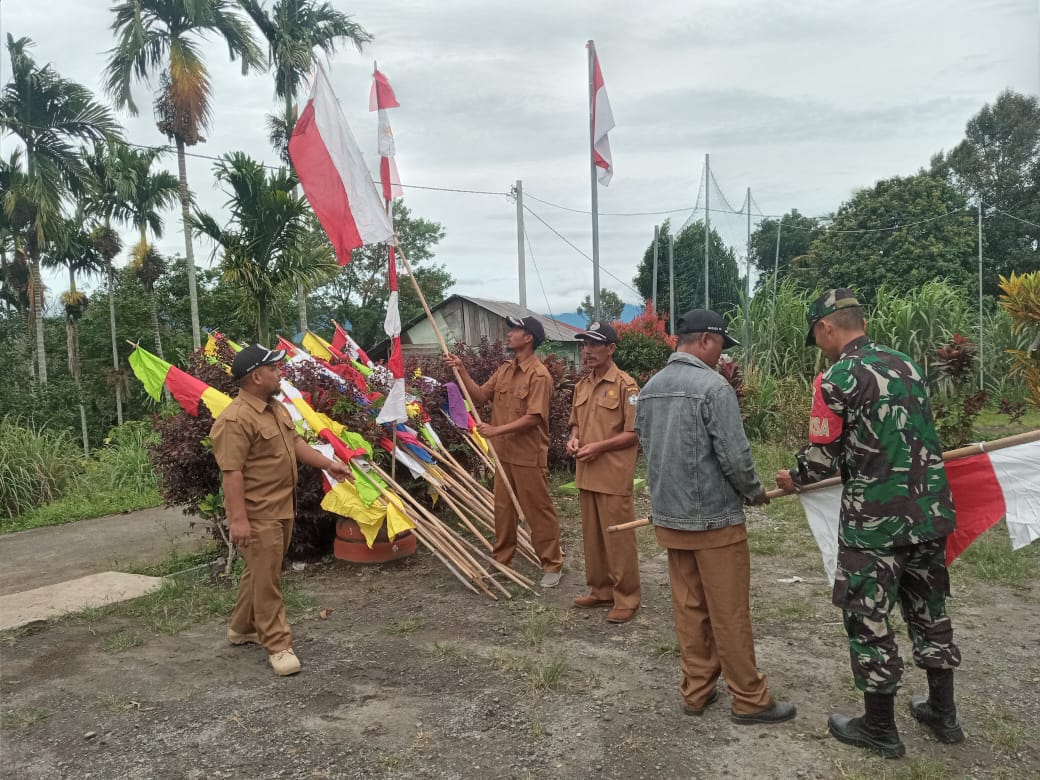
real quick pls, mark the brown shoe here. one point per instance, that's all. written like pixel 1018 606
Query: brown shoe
pixel 235 638
pixel 621 615
pixel 588 602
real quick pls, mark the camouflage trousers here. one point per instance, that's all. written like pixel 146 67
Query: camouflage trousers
pixel 868 586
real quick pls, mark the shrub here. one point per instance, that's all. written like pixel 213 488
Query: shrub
pixel 37 466
pixel 643 345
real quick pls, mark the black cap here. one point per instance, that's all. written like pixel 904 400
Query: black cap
pixel 531 325
pixel 600 332
pixel 706 321
pixel 252 357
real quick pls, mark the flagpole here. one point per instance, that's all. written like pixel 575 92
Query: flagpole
pixel 594 181
pixel 977 448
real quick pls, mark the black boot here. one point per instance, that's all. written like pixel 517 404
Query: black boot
pixel 938 711
pixel 875 730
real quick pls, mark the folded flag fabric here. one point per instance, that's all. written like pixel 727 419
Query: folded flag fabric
pixel 457 410
pixel 985 487
pixel 154 372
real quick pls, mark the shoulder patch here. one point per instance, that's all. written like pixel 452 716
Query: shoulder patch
pixel 633 399
pixel 824 425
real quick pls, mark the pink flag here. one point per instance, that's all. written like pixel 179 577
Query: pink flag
pixel 334 176
pixel 381 98
pixel 602 123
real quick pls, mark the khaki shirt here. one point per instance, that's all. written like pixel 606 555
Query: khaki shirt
pixel 518 389
pixel 258 439
pixel 602 409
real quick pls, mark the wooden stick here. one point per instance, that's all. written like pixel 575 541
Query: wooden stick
pixel 458 378
pixel 949 455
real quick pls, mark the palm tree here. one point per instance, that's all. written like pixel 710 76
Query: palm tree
pixel 48 113
pixel 163 36
pixel 148 266
pixel 267 244
pixel 73 249
pixel 297 31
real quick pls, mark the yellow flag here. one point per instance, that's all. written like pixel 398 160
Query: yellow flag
pixel 344 500
pixel 397 522
pixel 316 347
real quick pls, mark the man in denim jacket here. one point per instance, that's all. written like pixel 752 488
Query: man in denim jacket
pixel 701 474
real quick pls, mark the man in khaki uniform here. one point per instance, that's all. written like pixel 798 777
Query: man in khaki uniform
pixel 605 444
pixel 256 446
pixel 520 391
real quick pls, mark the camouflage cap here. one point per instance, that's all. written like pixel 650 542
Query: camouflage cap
pixel 828 303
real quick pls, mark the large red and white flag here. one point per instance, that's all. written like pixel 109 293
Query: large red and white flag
pixel 602 122
pixel 334 176
pixel 985 487
pixel 395 408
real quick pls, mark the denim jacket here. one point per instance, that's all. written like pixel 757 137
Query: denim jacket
pixel 698 458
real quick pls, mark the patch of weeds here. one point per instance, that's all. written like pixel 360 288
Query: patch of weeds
pixel 24 717
pixel 1003 730
pixel 444 651
pixel 120 641
pixel 391 760
pixel 790 611
pixel 764 539
pixel 176 562
pixel 510 663
pixel 646 542
pixel 664 646
pixel 421 740
pixel 299 605
pixel 111 701
pixel 537 729
pixel 991 558
pixel 407 625
pixel 550 675
pixel 10 637
pixel 541 622
pixel 634 744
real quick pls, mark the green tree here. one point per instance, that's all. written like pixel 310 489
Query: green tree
pixel 723 276
pixel 900 233
pixel 358 294
pixel 999 162
pixel 268 245
pixel 164 36
pixel 297 33
pixel 610 306
pixel 797 232
pixel 49 114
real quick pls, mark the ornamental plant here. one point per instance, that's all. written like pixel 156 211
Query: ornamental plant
pixel 643 344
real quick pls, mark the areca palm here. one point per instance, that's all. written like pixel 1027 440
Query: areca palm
pixel 267 244
pixel 49 114
pixel 297 32
pixel 74 249
pixel 163 37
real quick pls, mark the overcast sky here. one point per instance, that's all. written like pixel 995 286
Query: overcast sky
pixel 804 102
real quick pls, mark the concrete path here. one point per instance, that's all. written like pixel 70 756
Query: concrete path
pixel 58 553
pixel 94 590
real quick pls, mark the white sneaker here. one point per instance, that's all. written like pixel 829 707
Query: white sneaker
pixel 285 662
pixel 551 579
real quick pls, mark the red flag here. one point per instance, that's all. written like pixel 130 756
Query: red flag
pixel 602 122
pixel 334 176
pixel 381 98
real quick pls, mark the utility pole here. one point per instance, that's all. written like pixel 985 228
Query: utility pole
pixel 982 378
pixel 707 230
pixel 671 282
pixel 657 237
pixel 747 292
pixel 521 263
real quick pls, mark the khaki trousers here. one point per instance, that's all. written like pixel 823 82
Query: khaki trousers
pixel 531 484
pixel 260 606
pixel 711 603
pixel 611 560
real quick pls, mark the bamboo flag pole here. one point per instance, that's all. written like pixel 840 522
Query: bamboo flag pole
pixel 499 469
pixel 977 448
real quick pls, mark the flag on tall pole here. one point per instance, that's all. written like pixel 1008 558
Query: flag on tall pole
pixel 601 122
pixel 382 98
pixel 334 176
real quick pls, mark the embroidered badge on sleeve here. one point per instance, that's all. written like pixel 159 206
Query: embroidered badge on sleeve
pixel 824 425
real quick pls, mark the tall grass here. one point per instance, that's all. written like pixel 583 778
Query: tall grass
pixel 37 466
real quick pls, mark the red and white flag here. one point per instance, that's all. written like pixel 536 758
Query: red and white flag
pixel 985 487
pixel 380 99
pixel 334 176
pixel 602 122
pixel 395 408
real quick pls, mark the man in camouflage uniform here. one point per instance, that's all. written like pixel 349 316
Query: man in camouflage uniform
pixel 872 422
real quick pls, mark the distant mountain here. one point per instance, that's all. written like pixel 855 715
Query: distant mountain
pixel 629 313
